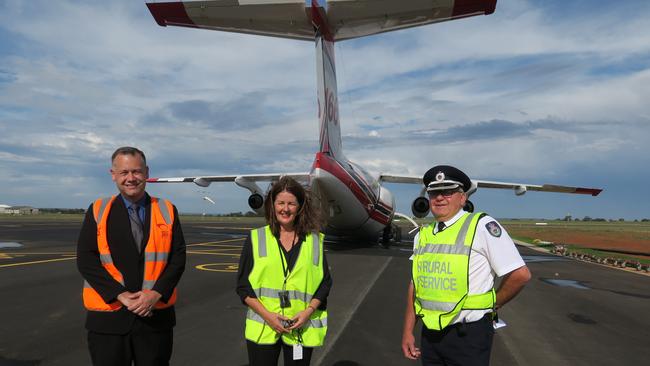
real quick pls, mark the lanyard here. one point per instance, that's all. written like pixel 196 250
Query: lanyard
pixel 285 268
pixel 285 263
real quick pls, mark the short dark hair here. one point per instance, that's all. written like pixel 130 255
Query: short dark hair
pixel 128 150
pixel 308 218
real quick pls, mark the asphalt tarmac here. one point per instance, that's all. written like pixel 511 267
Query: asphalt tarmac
pixel 571 313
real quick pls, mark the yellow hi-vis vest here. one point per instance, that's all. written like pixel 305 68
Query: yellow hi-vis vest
pixel 156 252
pixel 267 280
pixel 440 273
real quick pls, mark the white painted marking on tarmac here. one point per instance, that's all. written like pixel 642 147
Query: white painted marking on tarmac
pixel 357 302
pixel 566 283
pixel 542 258
pixel 10 244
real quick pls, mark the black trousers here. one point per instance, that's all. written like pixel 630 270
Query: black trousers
pixel 268 354
pixel 467 344
pixel 142 346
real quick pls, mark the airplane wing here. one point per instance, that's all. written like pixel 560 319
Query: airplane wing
pixel 346 19
pixel 519 188
pixel 279 18
pixel 205 181
pixel 358 18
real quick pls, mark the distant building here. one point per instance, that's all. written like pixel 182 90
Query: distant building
pixel 18 210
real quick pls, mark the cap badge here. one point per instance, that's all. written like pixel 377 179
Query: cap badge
pixel 440 176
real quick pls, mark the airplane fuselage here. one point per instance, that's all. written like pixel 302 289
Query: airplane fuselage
pixel 353 201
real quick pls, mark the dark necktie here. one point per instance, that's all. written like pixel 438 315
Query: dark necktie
pixel 136 226
pixel 441 226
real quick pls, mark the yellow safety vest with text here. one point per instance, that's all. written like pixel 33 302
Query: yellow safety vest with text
pixel 440 273
pixel 156 252
pixel 267 280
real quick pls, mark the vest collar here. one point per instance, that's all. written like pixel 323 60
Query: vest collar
pixel 451 221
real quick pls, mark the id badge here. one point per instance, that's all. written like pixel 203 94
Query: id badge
pixel 284 299
pixel 297 352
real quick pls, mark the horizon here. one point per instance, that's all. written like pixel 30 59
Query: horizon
pixel 251 213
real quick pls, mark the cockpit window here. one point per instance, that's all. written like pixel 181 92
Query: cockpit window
pixel 370 180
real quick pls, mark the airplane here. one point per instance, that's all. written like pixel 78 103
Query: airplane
pixel 354 202
pixel 206 198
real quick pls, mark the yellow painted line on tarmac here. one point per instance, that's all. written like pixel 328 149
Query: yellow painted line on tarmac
pixel 221 250
pixel 213 253
pixel 208 243
pixel 224 246
pixel 220 267
pixel 219 247
pixel 5 256
pixel 36 262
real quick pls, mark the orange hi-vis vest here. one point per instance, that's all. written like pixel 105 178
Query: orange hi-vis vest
pixel 156 252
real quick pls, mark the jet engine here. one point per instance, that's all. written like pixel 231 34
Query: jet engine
pixel 255 201
pixel 520 190
pixel 420 207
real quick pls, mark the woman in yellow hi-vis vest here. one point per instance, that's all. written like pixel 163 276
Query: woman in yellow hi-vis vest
pixel 284 279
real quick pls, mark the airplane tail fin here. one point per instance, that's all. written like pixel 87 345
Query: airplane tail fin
pixel 328 106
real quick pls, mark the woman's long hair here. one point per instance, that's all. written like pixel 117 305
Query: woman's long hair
pixel 308 218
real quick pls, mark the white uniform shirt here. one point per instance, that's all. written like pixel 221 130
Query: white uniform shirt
pixel 490 255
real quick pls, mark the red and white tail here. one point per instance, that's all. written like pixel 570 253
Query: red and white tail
pixel 328 105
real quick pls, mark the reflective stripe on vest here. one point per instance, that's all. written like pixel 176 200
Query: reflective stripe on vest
pixel 267 279
pixel 156 253
pixel 441 273
pixel 272 293
pixel 262 245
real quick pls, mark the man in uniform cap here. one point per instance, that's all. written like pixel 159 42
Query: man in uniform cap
pixel 455 260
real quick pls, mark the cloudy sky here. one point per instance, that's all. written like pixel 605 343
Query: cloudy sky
pixel 539 92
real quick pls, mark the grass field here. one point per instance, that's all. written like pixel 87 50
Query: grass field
pixel 622 239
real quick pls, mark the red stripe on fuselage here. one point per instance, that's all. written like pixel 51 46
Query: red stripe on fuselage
pixel 379 217
pixel 171 14
pixel 330 165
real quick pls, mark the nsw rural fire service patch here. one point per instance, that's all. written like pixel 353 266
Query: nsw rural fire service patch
pixel 493 228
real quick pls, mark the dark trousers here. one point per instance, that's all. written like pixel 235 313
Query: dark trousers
pixel 466 344
pixel 268 354
pixel 143 347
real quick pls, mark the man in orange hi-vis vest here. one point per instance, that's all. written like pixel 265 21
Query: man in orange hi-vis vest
pixel 131 254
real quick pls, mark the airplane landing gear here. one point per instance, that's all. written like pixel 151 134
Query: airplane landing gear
pixel 392 233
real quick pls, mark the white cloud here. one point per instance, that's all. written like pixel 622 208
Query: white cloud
pixel 537 91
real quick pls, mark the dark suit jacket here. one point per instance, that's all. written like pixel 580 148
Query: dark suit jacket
pixel 131 264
